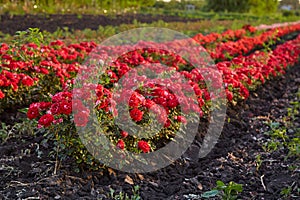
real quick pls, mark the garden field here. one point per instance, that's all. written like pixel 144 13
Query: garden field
pixel 57 88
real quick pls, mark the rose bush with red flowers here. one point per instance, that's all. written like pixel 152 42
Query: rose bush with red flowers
pixel 32 72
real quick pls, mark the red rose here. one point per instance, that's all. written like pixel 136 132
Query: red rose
pixel 148 103
pixel 136 99
pixel 99 91
pixel 3 80
pixel 124 134
pixel 44 105
pixel 167 123
pixel 55 109
pixel 206 94
pixel 14 86
pixel 201 101
pixel 172 103
pixel 65 107
pixel 134 102
pixel 121 144
pixel 181 119
pixel 229 95
pixel 2 95
pixel 244 92
pixel 77 105
pixel 144 146
pixel 197 90
pixel 57 43
pixel 81 119
pixel 44 71
pixel 58 97
pixel 46 120
pixel 113 76
pixel 160 100
pixel 33 112
pixel 103 104
pixel 27 81
pixel 136 114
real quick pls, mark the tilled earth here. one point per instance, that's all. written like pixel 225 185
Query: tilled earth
pixel 11 24
pixel 28 173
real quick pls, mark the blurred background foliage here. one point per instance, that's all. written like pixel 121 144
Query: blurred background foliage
pixel 257 7
pixel 252 6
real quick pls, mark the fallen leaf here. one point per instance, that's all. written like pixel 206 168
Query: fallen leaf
pixel 129 180
pixel 141 177
pixel 111 171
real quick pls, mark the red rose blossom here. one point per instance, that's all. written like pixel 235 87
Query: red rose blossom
pixel 144 146
pixel 46 120
pixel 2 95
pixel 99 91
pixel 148 103
pixel 81 118
pixel 136 114
pixel 124 134
pixel 65 107
pixel 55 109
pixel 77 105
pixel 121 144
pixel 33 112
pixel 44 105
pixel 229 95
pixel 167 123
pixel 181 119
pixel 44 71
pixel 27 81
pixel 172 103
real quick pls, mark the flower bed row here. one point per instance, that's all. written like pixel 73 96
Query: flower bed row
pixel 47 73
pixel 29 72
pixel 230 49
pixel 23 67
pixel 245 73
pixel 240 75
pixel 229 35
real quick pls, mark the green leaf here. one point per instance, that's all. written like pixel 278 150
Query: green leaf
pixel 220 183
pixel 23 110
pixel 209 194
pixel 274 125
pixel 237 187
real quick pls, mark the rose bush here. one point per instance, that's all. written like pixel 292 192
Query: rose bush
pixel 46 72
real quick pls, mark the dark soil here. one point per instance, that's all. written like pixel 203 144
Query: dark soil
pixel 27 172
pixel 11 24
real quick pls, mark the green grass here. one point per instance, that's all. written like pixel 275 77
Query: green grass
pixel 64 7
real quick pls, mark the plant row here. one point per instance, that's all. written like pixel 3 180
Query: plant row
pixel 229 35
pixel 164 102
pixel 153 104
pixel 229 49
pixel 23 66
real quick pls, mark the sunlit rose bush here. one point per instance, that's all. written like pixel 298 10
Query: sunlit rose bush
pixel 42 77
pixel 29 72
